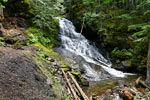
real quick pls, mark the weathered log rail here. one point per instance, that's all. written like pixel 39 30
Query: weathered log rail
pixel 74 88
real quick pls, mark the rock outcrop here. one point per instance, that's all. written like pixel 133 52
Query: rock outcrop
pixel 21 78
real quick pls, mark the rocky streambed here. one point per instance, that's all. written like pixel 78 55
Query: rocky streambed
pixel 118 89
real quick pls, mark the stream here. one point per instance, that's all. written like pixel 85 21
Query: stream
pixel 91 62
pixel 100 87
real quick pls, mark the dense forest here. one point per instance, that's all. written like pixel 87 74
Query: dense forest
pixel 120 28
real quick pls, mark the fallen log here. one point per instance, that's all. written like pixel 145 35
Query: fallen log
pixel 76 90
pixel 78 87
pixel 69 84
pixel 69 92
pixel 141 83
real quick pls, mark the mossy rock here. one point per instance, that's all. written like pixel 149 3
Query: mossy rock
pixel 57 87
pixel 66 67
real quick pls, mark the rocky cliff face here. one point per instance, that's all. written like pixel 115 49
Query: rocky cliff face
pixel 21 79
pixel 25 73
pixel 25 76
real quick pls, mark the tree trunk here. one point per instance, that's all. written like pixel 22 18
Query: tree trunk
pixel 1 18
pixel 1 14
pixel 148 63
pixel 99 2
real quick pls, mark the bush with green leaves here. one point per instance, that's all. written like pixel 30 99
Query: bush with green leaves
pixel 45 25
pixel 122 54
pixel 2 43
pixel 120 26
pixel 45 12
pixel 3 1
pixel 36 35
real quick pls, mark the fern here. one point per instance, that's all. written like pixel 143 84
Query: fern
pixel 124 16
pixel 37 35
pixel 44 13
pixel 121 53
pixel 135 27
pixel 147 12
pixel 142 31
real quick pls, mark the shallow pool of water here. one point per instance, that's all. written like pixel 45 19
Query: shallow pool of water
pixel 100 87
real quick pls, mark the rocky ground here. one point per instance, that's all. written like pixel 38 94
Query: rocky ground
pixel 125 91
pixel 24 73
pixel 20 77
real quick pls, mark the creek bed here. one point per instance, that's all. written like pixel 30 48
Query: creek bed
pixel 100 87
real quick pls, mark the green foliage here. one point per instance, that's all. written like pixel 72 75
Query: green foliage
pixel 2 43
pixel 4 1
pixel 142 32
pixel 41 54
pixel 68 98
pixel 44 13
pixel 121 53
pixel 121 26
pixel 147 12
pixel 125 16
pixel 37 35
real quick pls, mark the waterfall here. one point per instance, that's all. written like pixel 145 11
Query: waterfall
pixel 76 44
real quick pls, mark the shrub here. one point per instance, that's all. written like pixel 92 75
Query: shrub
pixel 37 35
pixel 121 53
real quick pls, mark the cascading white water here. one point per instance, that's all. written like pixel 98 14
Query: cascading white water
pixel 77 44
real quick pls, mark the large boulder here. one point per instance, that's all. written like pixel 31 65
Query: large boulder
pixel 21 77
